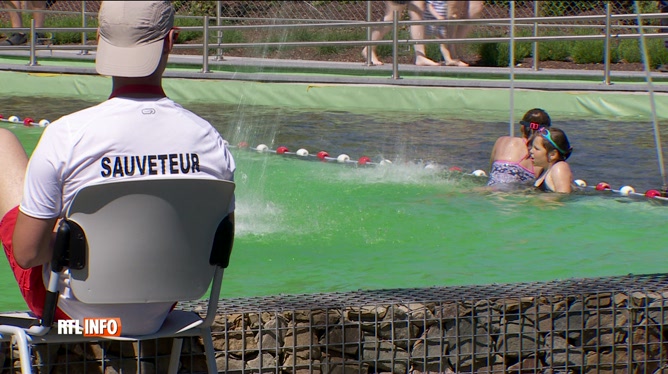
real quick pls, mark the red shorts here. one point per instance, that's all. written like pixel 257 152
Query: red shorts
pixel 30 280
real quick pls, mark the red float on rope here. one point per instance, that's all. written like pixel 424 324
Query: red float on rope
pixel 322 155
pixel 281 150
pixel 456 168
pixel 603 186
pixel 27 121
pixel 242 145
pixel 363 160
pixel 653 193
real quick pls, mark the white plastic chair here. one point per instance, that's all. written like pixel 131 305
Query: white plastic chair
pixel 172 238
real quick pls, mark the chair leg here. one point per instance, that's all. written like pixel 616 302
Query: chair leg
pixel 209 351
pixel 175 356
pixel 21 338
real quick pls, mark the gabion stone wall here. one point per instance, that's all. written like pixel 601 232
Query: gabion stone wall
pixel 594 325
pixel 604 325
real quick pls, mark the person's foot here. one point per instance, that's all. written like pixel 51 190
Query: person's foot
pixel 663 68
pixel 456 63
pixel 374 58
pixel 17 38
pixel 424 61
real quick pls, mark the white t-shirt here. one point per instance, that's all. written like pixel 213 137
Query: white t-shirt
pixel 120 139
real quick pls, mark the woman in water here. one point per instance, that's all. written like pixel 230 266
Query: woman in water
pixel 510 163
pixel 549 151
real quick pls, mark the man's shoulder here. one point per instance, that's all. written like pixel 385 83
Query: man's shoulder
pixel 87 112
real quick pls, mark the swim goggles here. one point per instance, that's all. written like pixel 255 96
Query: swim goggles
pixel 545 133
pixel 532 125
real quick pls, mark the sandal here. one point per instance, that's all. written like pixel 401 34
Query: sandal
pixel 17 38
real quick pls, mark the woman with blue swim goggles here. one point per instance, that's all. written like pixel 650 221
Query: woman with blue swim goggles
pixel 549 150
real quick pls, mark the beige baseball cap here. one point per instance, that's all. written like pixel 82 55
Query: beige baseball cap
pixel 131 35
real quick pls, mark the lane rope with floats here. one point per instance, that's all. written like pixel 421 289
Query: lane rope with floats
pixel 345 159
pixel 28 122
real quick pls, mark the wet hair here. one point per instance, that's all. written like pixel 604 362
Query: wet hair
pixel 557 141
pixel 533 120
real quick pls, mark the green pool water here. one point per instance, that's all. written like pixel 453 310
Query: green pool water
pixel 311 226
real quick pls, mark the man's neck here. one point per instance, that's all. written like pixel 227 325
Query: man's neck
pixel 146 87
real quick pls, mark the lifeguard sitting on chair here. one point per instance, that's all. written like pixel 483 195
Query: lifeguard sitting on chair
pixel 135 38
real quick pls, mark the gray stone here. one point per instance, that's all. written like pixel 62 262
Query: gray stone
pixel 528 365
pixel 128 366
pixel 541 315
pixel 345 339
pixel 431 346
pixel 384 356
pixel 368 313
pixel 648 344
pixel 235 342
pixel 302 342
pixel 398 327
pixel 469 345
pixel 234 321
pixel 657 311
pixel 607 362
pixel 296 365
pixel 336 365
pixel 519 339
pixel 76 368
pixel 599 331
pixel 320 318
pixel 226 363
pixel 561 354
pixel 488 314
pixel 266 363
pixel 572 322
pixel 272 334
pixel 122 349
pixel 420 315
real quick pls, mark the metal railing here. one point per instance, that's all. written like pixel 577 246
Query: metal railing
pixel 612 27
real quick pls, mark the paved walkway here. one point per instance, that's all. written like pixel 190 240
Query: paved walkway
pixel 277 70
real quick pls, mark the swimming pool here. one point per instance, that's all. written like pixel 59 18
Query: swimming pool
pixel 307 227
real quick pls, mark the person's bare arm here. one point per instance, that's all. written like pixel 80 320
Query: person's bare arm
pixel 562 178
pixel 33 238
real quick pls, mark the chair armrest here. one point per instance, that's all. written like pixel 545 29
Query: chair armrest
pixel 22 321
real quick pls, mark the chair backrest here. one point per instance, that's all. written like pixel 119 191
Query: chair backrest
pixel 148 240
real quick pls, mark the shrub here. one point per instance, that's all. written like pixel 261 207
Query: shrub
pixel 196 8
pixel 57 22
pixel 588 51
pixel 556 50
pixel 656 51
pixel 386 50
pixel 337 35
pixel 627 50
pixel 498 54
